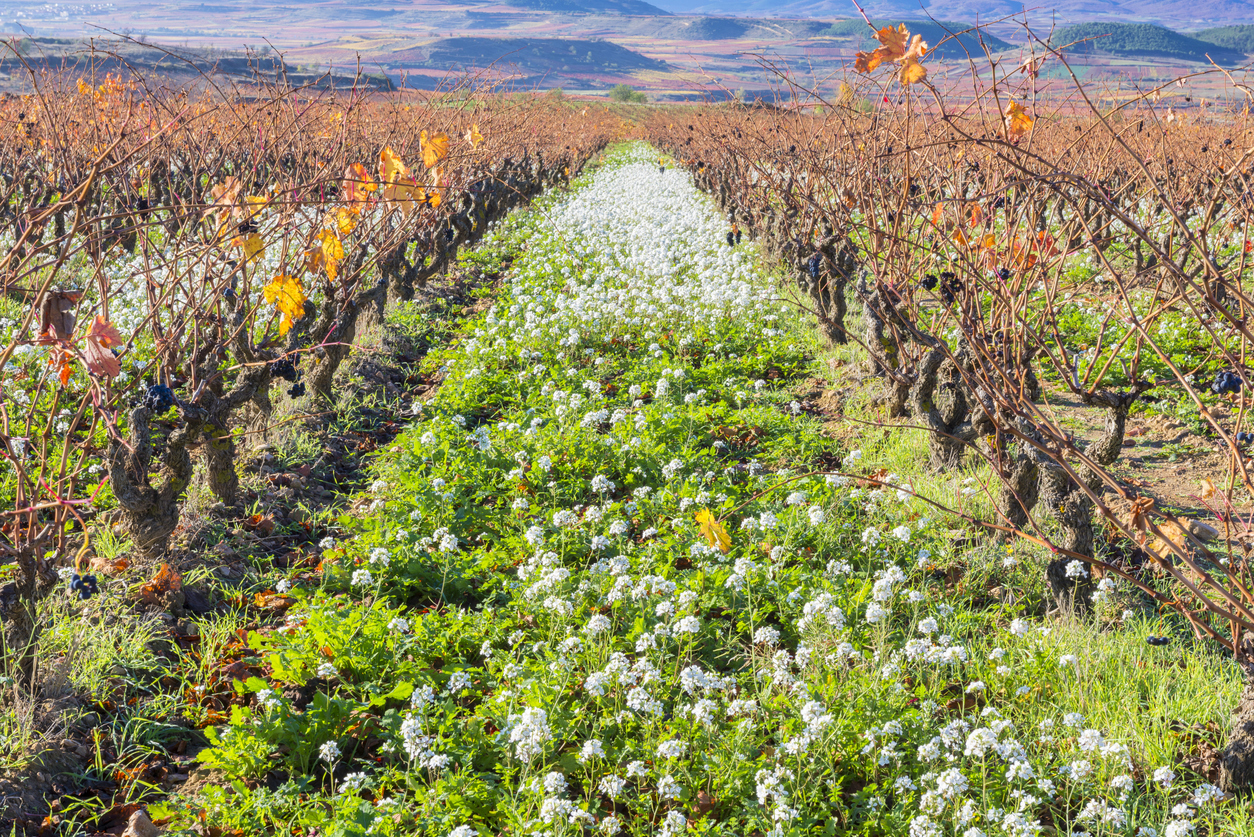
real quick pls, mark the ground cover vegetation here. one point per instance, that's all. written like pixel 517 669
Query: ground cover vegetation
pixel 1026 285
pixel 794 507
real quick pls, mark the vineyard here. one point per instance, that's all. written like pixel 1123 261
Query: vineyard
pixel 871 462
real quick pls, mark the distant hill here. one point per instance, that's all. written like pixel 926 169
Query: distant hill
pixel 1182 15
pixel 933 33
pixel 622 7
pixel 1239 37
pixel 714 29
pixel 532 55
pixel 73 57
pixel 1143 40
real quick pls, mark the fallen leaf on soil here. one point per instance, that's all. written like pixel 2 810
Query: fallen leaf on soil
pixel 166 580
pixel 273 601
pixel 705 803
pixel 262 523
pixel 103 565
pixel 963 703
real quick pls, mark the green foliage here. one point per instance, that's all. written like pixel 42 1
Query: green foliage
pixel 1141 39
pixel 627 94
pixel 1239 37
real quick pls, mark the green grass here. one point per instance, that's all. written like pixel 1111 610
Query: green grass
pixel 460 601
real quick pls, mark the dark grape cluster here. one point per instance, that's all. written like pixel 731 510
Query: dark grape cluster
pixel 85 586
pixel 1157 640
pixel 731 239
pixel 812 266
pixel 1004 274
pixel 1244 438
pixel 159 398
pixel 450 234
pixel 949 285
pixel 284 368
pixel 1226 382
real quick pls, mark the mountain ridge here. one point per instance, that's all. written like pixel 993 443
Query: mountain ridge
pixel 1174 14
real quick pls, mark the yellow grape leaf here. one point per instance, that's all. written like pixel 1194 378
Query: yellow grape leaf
pixel 474 137
pixel 345 221
pixel 1018 122
pixel 252 245
pixel 332 251
pixel 912 71
pixel 255 203
pixel 434 148
pixel 326 254
pixel 391 167
pixel 409 195
pixel 288 295
pixel 1208 489
pixel 713 531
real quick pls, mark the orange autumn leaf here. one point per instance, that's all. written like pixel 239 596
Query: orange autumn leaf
pixel 65 359
pixel 100 340
pixel 893 41
pixel 165 581
pixel 407 194
pixel 358 184
pixel 269 600
pixel 1017 122
pixel 1021 255
pixel 896 46
pixel 474 137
